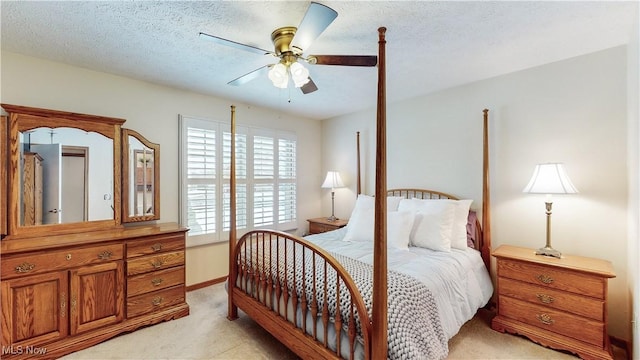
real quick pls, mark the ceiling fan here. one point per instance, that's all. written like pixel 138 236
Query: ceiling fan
pixel 289 44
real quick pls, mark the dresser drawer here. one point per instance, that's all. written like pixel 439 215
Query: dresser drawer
pixel 58 260
pixel 576 304
pixel 559 322
pixel 150 263
pixel 555 278
pixel 154 301
pixel 160 243
pixel 158 280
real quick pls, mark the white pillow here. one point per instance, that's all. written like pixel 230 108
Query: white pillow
pixel 433 225
pixel 393 202
pixel 399 225
pixel 364 202
pixel 460 219
pixel 360 226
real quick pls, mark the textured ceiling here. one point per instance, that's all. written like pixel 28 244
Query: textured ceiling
pixel 430 45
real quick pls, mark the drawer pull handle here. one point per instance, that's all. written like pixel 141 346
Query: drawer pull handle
pixel 105 255
pixel 25 267
pixel 545 319
pixel 157 263
pixel 156 247
pixel 156 281
pixel 68 257
pixel 545 279
pixel 546 299
pixel 156 301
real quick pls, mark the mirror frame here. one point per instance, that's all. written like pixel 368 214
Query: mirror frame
pixel 126 177
pixel 22 118
pixel 3 175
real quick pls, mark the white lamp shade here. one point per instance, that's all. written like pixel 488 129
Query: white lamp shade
pixel 279 76
pixel 332 180
pixel 550 179
pixel 299 74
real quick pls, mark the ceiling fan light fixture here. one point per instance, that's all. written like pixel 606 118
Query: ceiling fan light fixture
pixel 279 76
pixel 299 74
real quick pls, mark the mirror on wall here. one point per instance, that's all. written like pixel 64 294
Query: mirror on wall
pixel 66 176
pixel 141 178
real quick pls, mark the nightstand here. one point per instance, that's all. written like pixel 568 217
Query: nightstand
pixel 558 303
pixel 320 225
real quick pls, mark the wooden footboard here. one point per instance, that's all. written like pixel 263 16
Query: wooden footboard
pixel 287 285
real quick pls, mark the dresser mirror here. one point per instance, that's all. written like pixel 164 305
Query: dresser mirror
pixel 63 173
pixel 141 178
pixel 67 176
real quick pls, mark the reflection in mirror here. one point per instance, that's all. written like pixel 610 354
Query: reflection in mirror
pixel 66 176
pixel 141 178
pixel 141 193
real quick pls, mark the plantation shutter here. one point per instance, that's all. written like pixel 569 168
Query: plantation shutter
pixel 264 180
pixel 287 209
pixel 266 191
pixel 200 177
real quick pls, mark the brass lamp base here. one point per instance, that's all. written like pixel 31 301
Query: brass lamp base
pixel 549 251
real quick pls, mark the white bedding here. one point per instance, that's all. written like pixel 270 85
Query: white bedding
pixel 458 279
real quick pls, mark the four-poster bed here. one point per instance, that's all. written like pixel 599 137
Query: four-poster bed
pixel 322 304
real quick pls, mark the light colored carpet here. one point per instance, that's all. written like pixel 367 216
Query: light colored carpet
pixel 207 334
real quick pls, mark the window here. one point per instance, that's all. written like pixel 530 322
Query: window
pixel 265 179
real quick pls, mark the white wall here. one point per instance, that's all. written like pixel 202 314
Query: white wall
pixel 573 111
pixel 153 111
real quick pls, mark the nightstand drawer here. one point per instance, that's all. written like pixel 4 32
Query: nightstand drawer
pixel 320 225
pixel 555 278
pixel 544 296
pixel 315 228
pixel 542 317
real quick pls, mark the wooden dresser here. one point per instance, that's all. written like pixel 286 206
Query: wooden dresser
pixel 67 283
pixel 320 225
pixel 559 303
pixel 76 290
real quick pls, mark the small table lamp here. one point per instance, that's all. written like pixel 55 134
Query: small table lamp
pixel 332 181
pixel 549 179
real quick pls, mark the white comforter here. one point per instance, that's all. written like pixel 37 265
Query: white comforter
pixel 458 279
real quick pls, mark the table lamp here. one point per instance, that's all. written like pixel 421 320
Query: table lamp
pixel 548 179
pixel 332 181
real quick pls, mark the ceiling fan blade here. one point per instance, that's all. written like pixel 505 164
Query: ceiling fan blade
pixel 249 76
pixel 343 60
pixel 237 45
pixel 308 87
pixel 315 21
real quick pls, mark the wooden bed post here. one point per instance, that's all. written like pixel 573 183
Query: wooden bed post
pixel 485 250
pixel 379 324
pixel 233 309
